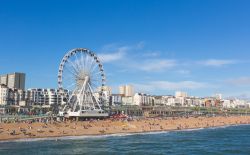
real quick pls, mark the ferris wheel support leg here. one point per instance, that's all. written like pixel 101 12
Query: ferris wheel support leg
pixel 97 101
pixel 82 94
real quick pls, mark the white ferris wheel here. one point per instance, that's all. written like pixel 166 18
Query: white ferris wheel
pixel 81 72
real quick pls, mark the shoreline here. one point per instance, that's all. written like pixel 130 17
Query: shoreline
pixel 56 138
pixel 89 129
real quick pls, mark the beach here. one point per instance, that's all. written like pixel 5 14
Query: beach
pixel 23 130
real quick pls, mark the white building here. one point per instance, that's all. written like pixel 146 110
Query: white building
pixel 46 97
pixel 158 101
pixel 218 96
pixel 227 104
pixel 127 100
pixel 19 96
pixel 4 94
pixel 141 99
pixel 10 96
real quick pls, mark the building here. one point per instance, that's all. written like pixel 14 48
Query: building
pixel 13 80
pixel 106 89
pixel 218 96
pixel 122 90
pixel 12 97
pixel 158 101
pixel 180 94
pixel 115 99
pixel 141 99
pixel 19 97
pixel 46 97
pixel 4 79
pixel 127 100
pixel 107 92
pixel 127 90
pixel 4 95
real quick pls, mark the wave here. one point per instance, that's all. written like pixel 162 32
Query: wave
pixel 82 137
pixel 226 126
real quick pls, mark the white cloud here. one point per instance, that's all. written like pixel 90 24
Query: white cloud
pixel 114 52
pixel 140 45
pixel 156 65
pixel 216 62
pixel 114 56
pixel 167 85
pixel 151 54
pixel 242 81
pixel 183 72
pixel 129 60
pixel 111 56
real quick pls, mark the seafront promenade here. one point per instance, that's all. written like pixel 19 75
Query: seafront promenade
pixel 27 129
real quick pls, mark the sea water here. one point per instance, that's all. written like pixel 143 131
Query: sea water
pixel 234 140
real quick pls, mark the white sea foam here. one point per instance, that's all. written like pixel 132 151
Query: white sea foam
pixel 82 137
pixel 195 129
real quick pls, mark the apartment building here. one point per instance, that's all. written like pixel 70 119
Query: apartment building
pixel 13 80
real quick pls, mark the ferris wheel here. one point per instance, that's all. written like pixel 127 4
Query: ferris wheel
pixel 81 72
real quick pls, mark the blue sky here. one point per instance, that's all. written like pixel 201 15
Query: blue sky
pixel 201 47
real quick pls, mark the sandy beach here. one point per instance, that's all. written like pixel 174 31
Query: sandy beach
pixel 11 131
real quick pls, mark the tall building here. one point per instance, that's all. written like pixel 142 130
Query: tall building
pixel 126 90
pixel 13 80
pixel 122 90
pixel 180 94
pixel 4 79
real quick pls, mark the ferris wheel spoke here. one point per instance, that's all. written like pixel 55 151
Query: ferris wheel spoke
pixel 83 57
pixel 95 80
pixel 93 68
pixel 94 86
pixel 82 60
pixel 72 72
pixel 73 65
pixel 97 73
pixel 92 64
pixel 70 85
pixel 87 63
pixel 77 61
pixel 69 77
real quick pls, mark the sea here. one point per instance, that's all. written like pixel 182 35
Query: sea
pixel 227 140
